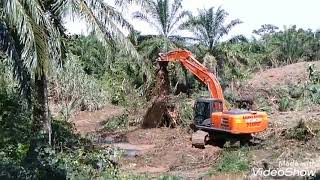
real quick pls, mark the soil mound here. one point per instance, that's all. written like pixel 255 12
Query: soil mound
pixel 282 76
pixel 268 83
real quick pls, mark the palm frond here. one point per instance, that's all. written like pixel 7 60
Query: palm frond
pixel 125 3
pixel 238 38
pixel 32 32
pixel 8 44
pixel 209 26
pixel 175 7
pixel 164 15
pixel 176 23
pixel 95 14
pixel 145 18
pixel 103 19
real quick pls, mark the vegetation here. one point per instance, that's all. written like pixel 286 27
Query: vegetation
pixel 303 131
pixel 295 97
pixel 209 28
pixel 117 122
pixel 232 161
pixel 47 76
pixel 166 18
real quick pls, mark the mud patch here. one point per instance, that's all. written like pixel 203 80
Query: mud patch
pixel 171 152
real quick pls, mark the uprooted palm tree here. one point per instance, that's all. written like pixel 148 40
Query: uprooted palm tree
pixel 209 27
pixel 31 37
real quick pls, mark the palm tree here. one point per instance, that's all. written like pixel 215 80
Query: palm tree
pixel 31 36
pixel 165 17
pixel 209 27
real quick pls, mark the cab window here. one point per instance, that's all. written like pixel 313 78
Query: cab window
pixel 202 109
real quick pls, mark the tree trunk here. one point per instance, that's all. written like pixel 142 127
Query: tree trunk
pixel 40 107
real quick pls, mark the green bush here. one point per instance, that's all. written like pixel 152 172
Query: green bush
pixel 296 91
pixel 303 131
pixel 70 157
pixel 285 104
pixel 117 122
pixel 186 113
pixel 15 126
pixel 72 89
pixel 26 155
pixel 263 104
pixel 233 161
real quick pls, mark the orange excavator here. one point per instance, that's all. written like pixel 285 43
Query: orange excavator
pixel 213 122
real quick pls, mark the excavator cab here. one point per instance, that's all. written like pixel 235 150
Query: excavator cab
pixel 203 108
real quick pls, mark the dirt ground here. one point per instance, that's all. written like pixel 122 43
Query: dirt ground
pixel 275 77
pixel 90 122
pixel 168 151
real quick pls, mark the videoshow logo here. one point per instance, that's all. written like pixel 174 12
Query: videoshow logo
pixel 288 168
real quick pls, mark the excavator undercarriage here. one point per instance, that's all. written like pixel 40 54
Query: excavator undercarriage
pixel 202 137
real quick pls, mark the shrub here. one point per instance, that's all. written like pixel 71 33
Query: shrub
pixel 302 132
pixel 263 105
pixel 186 112
pixel 233 161
pixel 15 125
pixel 117 122
pixel 70 157
pixel 284 104
pixel 72 89
pixel 296 91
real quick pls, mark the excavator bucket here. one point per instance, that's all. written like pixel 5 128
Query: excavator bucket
pixel 175 55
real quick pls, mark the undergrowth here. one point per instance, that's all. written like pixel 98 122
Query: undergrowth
pixel 304 131
pixel 25 154
pixel 70 157
pixel 232 161
pixel 119 122
pixel 185 108
pixel 72 89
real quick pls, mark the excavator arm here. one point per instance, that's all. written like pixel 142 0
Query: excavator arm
pixel 196 68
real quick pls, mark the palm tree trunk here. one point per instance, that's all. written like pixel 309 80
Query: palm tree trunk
pixel 220 62
pixel 40 108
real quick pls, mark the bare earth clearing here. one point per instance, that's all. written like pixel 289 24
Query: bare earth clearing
pixel 89 122
pixel 168 150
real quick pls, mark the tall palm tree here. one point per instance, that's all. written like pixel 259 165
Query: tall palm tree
pixel 166 17
pixel 32 42
pixel 31 36
pixel 209 27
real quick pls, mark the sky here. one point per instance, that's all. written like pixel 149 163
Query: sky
pixel 253 13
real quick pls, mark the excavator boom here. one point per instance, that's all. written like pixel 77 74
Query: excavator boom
pixel 196 68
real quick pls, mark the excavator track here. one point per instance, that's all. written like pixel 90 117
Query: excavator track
pixel 199 139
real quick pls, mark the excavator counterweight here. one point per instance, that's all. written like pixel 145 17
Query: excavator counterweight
pixel 211 114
